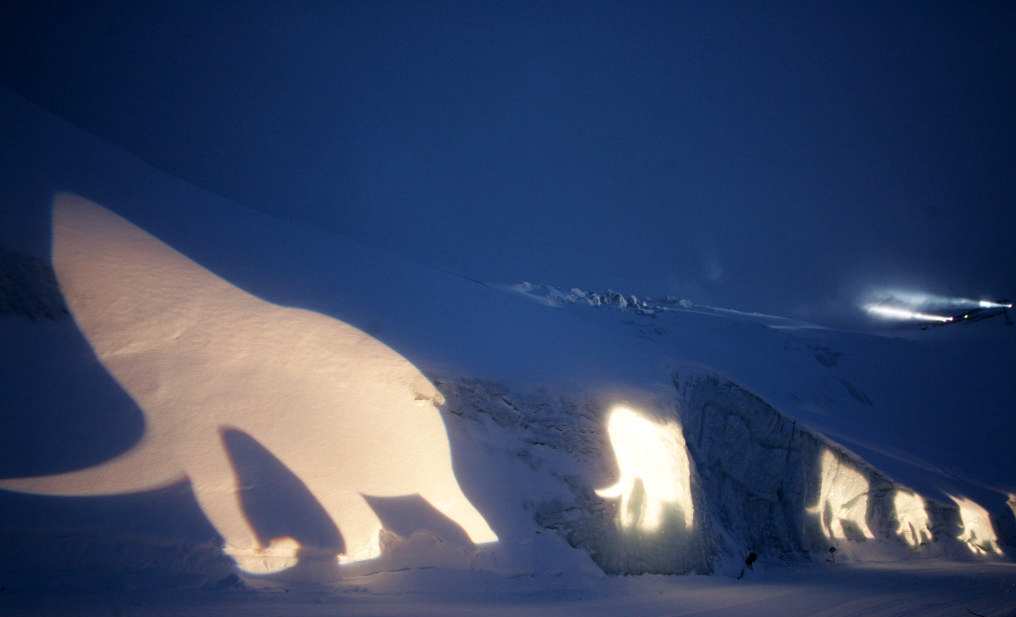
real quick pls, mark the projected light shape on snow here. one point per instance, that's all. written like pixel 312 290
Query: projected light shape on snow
pixel 844 491
pixel 342 411
pixel 978 532
pixel 912 516
pixel 656 454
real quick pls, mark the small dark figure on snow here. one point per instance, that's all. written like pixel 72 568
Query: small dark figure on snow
pixel 748 561
pixel 832 555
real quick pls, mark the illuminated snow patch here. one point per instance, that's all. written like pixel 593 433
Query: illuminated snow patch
pixel 912 516
pixel 656 454
pixel 280 554
pixel 978 532
pixel 844 492
pixel 345 413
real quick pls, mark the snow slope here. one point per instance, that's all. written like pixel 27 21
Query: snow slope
pixel 798 437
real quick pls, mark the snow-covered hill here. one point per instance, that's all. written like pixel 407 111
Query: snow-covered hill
pixel 754 433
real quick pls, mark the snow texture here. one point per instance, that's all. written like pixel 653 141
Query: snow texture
pixel 28 288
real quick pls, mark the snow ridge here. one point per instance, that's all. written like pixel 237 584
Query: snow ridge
pixel 647 306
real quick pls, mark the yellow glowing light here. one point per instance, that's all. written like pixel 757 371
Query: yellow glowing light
pixel 345 413
pixel 845 491
pixel 978 532
pixel 912 516
pixel 656 454
pixel 280 554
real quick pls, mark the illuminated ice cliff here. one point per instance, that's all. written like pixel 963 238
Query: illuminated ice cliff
pixel 197 393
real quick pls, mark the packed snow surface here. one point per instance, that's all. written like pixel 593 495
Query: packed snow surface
pixel 923 589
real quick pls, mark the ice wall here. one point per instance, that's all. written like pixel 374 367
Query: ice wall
pixel 759 480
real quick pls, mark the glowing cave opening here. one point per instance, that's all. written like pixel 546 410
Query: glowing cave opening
pixel 655 454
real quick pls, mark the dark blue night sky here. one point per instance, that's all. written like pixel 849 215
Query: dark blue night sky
pixel 776 158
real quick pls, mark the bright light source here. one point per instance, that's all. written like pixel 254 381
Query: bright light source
pixel 914 524
pixel 845 491
pixel 893 312
pixel 978 532
pixel 896 303
pixel 990 304
pixel 656 454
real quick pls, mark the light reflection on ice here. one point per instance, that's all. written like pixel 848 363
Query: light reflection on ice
pixel 978 532
pixel 844 492
pixel 654 453
pixel 912 516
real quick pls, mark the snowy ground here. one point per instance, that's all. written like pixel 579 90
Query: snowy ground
pixel 924 589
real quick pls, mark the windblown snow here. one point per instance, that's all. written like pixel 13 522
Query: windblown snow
pixel 199 396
